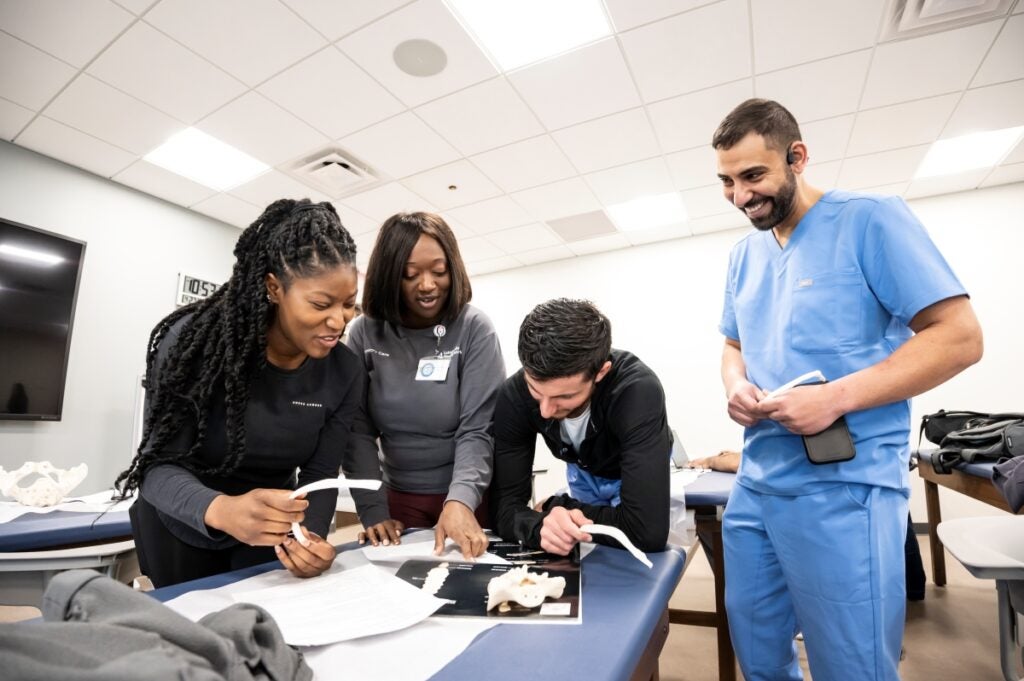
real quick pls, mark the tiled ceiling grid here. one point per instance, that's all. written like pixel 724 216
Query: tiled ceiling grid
pixel 536 154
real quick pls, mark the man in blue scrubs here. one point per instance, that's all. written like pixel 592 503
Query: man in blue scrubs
pixel 850 285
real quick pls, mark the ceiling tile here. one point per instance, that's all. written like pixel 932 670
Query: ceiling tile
pixel 690 51
pixel 37 78
pixel 435 185
pixel 273 185
pixel 693 168
pixel 479 248
pixel 610 141
pixel 101 111
pixel 823 175
pixel 631 181
pixel 1005 174
pixel 459 229
pixel 988 108
pixel 719 223
pixel 166 185
pixel 612 242
pixel 250 39
pixel 1005 61
pixel 798 31
pixel 381 203
pixel 153 68
pixel 525 164
pixel 356 223
pixel 690 120
pixel 837 86
pixel 525 238
pixel 545 255
pixel 136 7
pixel 400 146
pixel 505 262
pixel 71 146
pixel 262 129
pixel 372 48
pixel 894 189
pixel 901 125
pixel 364 247
pixel 331 93
pixel 491 215
pixel 578 86
pixel 627 14
pixel 646 236
pixel 1016 155
pixel 229 209
pixel 827 139
pixel 885 167
pixel 558 199
pixel 335 18
pixel 946 184
pixel 72 31
pixel 583 226
pixel 481 117
pixel 704 201
pixel 12 119
pixel 930 65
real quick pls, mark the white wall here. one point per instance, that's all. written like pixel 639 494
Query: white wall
pixel 664 301
pixel 136 245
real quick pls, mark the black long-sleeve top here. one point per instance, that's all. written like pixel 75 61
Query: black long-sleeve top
pixel 627 439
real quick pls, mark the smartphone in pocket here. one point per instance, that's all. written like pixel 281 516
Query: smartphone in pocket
pixel 831 445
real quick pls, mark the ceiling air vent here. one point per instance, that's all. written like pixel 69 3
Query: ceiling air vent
pixel 333 171
pixel 913 18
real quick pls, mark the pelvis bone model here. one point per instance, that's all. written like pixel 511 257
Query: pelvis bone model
pixel 526 588
pixel 52 485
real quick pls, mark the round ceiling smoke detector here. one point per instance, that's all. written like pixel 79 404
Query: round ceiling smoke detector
pixel 419 57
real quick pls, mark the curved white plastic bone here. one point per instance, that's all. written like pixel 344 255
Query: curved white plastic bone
pixel 526 588
pixel 328 483
pixel 618 535
pixel 53 485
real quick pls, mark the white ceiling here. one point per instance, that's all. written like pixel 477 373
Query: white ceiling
pixel 98 84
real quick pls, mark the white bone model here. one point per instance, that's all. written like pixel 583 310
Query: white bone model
pixel 52 485
pixel 526 588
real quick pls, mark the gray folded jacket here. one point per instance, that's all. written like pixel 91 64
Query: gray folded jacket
pixel 96 628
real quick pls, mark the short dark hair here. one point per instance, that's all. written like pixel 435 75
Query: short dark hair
pixel 382 290
pixel 767 118
pixel 564 337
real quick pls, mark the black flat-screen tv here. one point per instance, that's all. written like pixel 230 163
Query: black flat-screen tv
pixel 39 274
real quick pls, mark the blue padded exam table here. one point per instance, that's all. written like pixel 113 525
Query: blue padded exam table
pixel 59 529
pixel 973 480
pixel 625 624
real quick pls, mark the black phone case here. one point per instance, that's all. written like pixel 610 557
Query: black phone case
pixel 831 445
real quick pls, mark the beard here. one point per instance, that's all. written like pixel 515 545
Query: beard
pixel 782 204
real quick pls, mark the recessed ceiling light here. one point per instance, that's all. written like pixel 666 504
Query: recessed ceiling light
pixel 420 58
pixel 204 159
pixel 648 212
pixel 520 32
pixel 968 152
pixel 30 255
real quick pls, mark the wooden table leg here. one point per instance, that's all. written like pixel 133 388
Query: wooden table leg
pixel 931 497
pixel 726 655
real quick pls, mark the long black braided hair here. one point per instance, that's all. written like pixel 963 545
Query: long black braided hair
pixel 224 343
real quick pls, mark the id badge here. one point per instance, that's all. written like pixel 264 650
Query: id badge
pixel 433 369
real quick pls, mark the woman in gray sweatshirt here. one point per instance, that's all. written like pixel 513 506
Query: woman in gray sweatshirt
pixel 434 367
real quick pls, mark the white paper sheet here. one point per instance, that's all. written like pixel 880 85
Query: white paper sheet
pixel 398 553
pixel 618 535
pixel 90 503
pixel 342 605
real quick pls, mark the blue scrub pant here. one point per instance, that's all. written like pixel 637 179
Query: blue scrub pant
pixel 829 564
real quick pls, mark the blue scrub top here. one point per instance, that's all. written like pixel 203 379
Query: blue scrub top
pixel 838 298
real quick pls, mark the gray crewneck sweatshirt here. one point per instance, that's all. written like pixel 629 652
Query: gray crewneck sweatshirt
pixel 434 437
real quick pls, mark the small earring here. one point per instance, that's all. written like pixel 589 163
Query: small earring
pixel 269 300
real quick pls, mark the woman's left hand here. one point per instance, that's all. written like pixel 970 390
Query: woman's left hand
pixel 306 561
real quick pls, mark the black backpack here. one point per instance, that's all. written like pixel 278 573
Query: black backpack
pixel 969 436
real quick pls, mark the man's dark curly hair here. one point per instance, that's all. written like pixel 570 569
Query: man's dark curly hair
pixel 564 337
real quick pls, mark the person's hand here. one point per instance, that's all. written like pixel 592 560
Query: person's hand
pixel 726 461
pixel 261 517
pixel 458 522
pixel 561 530
pixel 305 561
pixel 805 410
pixel 744 397
pixel 386 532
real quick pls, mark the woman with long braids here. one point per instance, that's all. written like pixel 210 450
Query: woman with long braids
pixel 243 389
pixel 434 367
